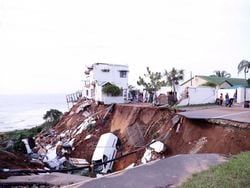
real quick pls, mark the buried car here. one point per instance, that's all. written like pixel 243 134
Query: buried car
pixel 106 150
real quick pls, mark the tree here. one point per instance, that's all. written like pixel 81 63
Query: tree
pixel 53 115
pixel 223 74
pixel 173 77
pixel 244 65
pixel 112 89
pixel 152 82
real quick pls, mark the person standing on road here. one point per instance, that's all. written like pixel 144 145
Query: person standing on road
pixel 221 99
pixel 227 99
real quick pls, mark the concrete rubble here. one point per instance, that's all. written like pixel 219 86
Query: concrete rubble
pixel 53 149
pixel 153 151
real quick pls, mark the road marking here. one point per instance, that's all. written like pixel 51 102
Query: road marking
pixel 233 114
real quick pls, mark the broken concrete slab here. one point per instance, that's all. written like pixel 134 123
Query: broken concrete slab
pixel 55 179
pixel 158 146
pixel 176 119
pixel 233 114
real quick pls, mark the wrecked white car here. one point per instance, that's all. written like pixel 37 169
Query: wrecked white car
pixel 106 150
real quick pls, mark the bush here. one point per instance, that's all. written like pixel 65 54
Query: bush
pixel 111 89
pixel 53 115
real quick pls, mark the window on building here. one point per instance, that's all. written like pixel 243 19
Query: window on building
pixel 105 70
pixel 123 74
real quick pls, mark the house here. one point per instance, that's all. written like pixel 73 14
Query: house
pixel 98 75
pixel 219 82
pixel 222 85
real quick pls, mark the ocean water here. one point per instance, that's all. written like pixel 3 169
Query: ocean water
pixel 26 111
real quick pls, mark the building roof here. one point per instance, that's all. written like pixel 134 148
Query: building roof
pixel 214 79
pixel 110 64
pixel 103 83
pixel 237 81
pixel 219 80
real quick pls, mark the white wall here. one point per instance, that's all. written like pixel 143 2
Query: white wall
pixel 196 82
pixel 98 93
pixel 102 97
pixel 240 95
pixel 164 90
pixel 248 94
pixel 113 76
pixel 199 95
pixel 112 99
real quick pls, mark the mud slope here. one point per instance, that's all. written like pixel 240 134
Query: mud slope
pixel 138 125
pixel 122 117
pixel 200 136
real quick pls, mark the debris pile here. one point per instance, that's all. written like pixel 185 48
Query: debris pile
pixel 57 146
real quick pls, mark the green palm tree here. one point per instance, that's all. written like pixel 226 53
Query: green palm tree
pixel 173 77
pixel 244 65
pixel 223 74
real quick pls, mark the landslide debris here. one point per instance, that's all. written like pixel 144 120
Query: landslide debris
pixel 138 125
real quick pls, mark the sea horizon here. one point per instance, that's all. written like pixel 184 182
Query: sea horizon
pixel 24 111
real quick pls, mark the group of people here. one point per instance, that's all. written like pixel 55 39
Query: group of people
pixel 228 101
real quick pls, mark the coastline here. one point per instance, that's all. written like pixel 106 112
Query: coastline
pixel 24 111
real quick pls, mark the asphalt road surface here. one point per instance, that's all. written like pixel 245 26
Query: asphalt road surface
pixel 165 173
pixel 234 114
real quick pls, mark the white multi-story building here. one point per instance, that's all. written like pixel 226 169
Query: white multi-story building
pixel 99 74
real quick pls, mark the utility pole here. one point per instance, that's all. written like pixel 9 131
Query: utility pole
pixel 246 105
pixel 191 76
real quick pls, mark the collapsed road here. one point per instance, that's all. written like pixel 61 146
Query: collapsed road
pixel 233 114
pixel 137 126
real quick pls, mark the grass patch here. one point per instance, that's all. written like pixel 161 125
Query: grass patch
pixel 17 136
pixel 235 173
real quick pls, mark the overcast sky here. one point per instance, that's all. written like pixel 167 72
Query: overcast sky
pixel 45 45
